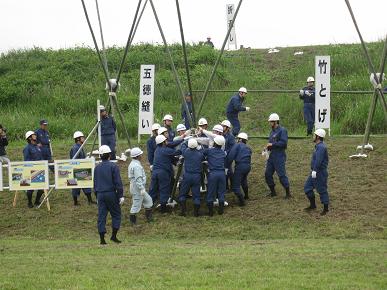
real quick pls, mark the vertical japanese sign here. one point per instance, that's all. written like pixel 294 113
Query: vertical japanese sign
pixel 230 16
pixel 323 92
pixel 145 113
pixel 28 175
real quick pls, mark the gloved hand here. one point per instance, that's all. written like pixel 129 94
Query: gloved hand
pixel 314 174
pixel 301 92
pixel 151 168
pixel 122 200
pixel 247 109
pixel 226 171
pixel 199 147
pixel 143 191
pixel 187 133
pixel 308 93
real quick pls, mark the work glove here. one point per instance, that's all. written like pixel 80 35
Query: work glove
pixel 199 147
pixel 308 93
pixel 247 109
pixel 226 170
pixel 151 168
pixel 122 200
pixel 301 92
pixel 143 192
pixel 314 174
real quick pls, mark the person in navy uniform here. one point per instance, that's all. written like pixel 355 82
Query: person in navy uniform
pixel 3 144
pixel 168 121
pixel 216 157
pixel 193 167
pixel 32 152
pixel 209 42
pixel 43 140
pixel 307 94
pixel 108 131
pixel 110 194
pixel 318 178
pixel 241 154
pixel 184 116
pixel 151 144
pixel 278 142
pixel 162 173
pixel 235 106
pixel 79 138
pixel 230 142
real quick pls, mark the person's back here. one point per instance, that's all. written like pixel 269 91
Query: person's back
pixel 215 157
pixel 106 176
pixel 163 159
pixel 193 161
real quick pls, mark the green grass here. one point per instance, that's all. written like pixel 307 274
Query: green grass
pixel 63 86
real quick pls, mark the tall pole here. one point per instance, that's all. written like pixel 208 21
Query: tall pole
pixel 217 61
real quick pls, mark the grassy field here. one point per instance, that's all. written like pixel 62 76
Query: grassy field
pixel 269 244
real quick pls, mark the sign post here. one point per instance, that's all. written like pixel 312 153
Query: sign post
pixel 146 100
pixel 230 15
pixel 323 92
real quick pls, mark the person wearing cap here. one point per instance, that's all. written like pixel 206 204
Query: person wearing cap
pixel 318 178
pixel 193 167
pixel 235 106
pixel 108 131
pixel 151 144
pixel 79 139
pixel 230 142
pixel 215 157
pixel 184 116
pixel 208 140
pixel 32 152
pixel 209 42
pixel 183 136
pixel 307 94
pixel 162 173
pixel 110 194
pixel 43 140
pixel 278 142
pixel 241 154
pixel 137 179
pixel 3 144
pixel 168 121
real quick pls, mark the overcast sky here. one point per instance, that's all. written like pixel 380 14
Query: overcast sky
pixel 260 23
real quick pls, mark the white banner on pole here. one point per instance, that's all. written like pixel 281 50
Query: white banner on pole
pixel 146 99
pixel 230 9
pixel 323 92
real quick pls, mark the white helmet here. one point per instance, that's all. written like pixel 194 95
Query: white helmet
pixel 320 132
pixel 226 123
pixel 29 134
pixel 202 122
pixel 273 117
pixel 102 108
pixel 310 79
pixel 155 126
pixel 219 140
pixel 243 136
pixel 180 127
pixel 104 149
pixel 168 118
pixel 192 143
pixel 243 90
pixel 135 152
pixel 160 139
pixel 78 134
pixel 218 128
pixel 162 130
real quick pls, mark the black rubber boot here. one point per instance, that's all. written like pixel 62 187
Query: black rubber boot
pixel 288 195
pixel 241 200
pixel 114 236
pixel 133 219
pixel 38 196
pixel 183 208
pixel 221 208
pixel 246 191
pixel 325 210
pixel 75 201
pixel 163 208
pixel 272 191
pixel 102 238
pixel 148 215
pixel 90 200
pixel 29 197
pixel 312 205
pixel 210 209
pixel 196 210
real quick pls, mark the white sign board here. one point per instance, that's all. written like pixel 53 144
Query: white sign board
pixel 323 92
pixel 230 9
pixel 146 99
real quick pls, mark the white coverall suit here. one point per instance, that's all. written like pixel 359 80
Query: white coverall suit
pixel 137 180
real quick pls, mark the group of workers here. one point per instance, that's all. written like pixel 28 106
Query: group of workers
pixel 197 161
